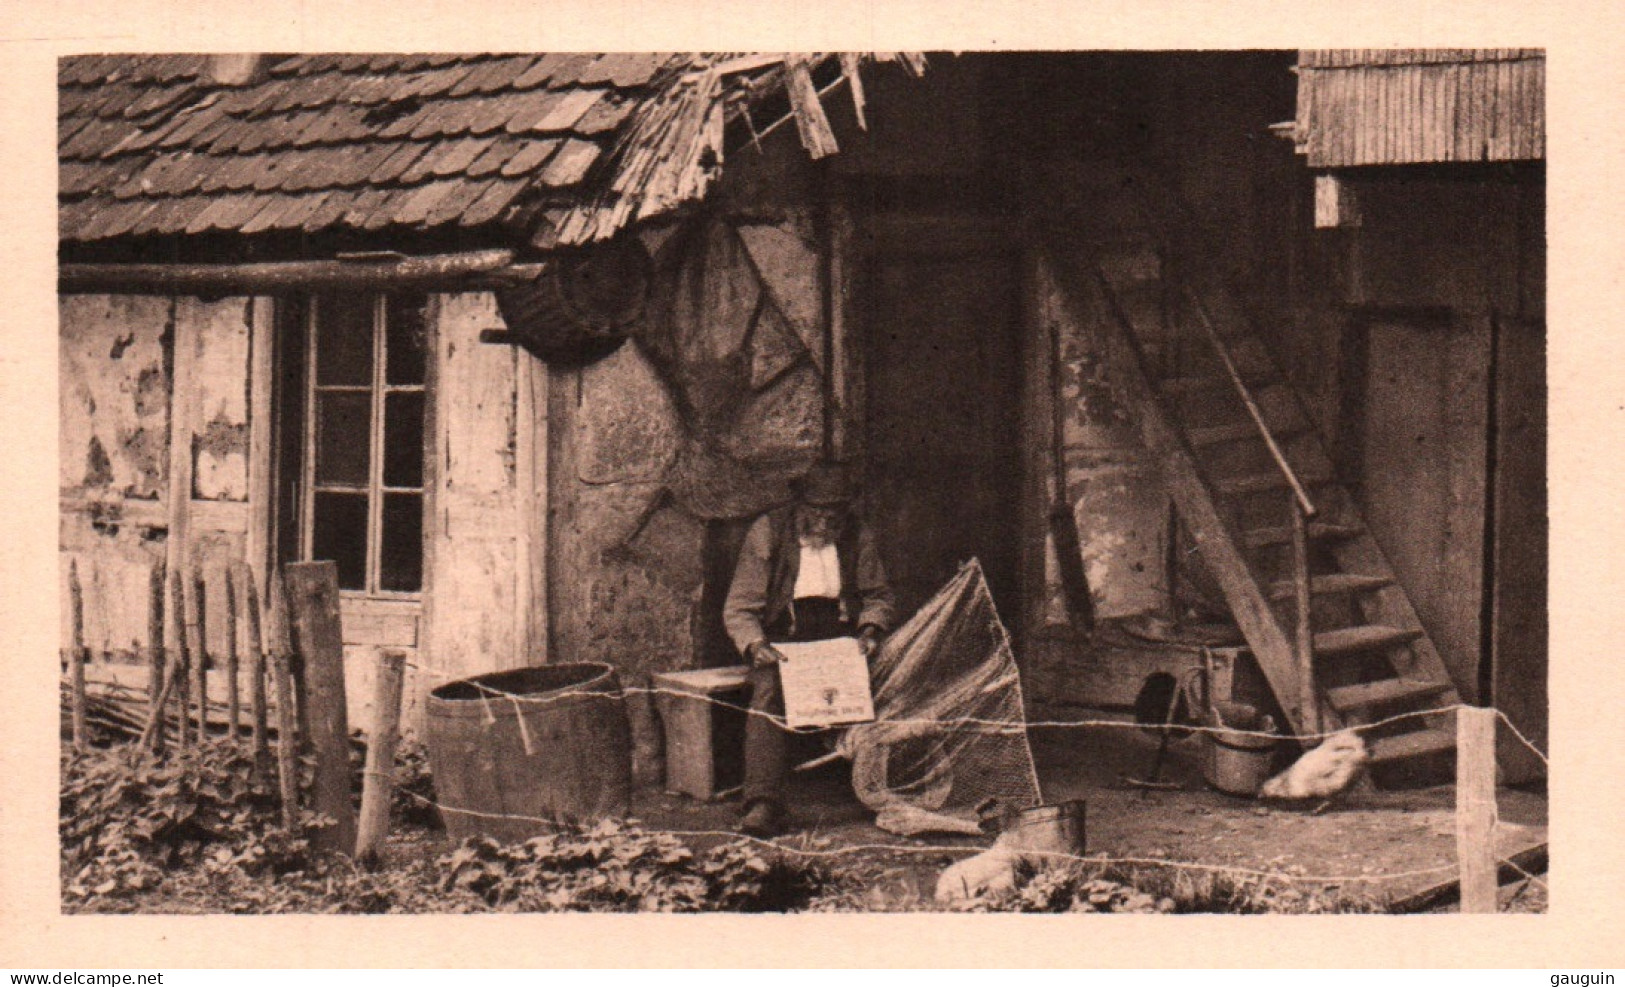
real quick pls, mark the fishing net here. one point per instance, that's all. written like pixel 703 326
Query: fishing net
pixel 949 738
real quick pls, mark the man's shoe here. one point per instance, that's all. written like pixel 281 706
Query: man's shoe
pixel 764 820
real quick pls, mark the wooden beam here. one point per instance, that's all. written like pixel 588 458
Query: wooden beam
pixel 178 496
pixel 312 590
pixel 261 439
pixel 1522 864
pixel 256 672
pixel 1475 807
pixel 378 781
pixel 530 574
pixel 1336 206
pixel 461 272
pixel 76 655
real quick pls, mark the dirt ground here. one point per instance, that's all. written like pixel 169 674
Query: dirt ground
pixel 1381 844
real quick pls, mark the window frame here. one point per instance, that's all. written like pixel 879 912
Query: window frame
pixel 378 389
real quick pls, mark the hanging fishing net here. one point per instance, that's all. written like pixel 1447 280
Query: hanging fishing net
pixel 949 736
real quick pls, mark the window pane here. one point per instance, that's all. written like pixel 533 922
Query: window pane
pixel 401 553
pixel 403 439
pixel 404 322
pixel 339 533
pixel 343 437
pixel 344 339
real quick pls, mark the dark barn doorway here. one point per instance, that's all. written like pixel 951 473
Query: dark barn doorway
pixel 943 413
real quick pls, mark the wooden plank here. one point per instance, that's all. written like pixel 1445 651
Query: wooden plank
pixel 1303 635
pixel 76 655
pixel 1475 807
pixel 531 590
pixel 843 370
pixel 233 696
pixel 287 741
pixel 1367 694
pixel 1281 534
pixel 155 632
pixel 269 277
pixel 261 437
pixel 1530 860
pixel 257 672
pixel 230 516
pixel 1404 746
pixel 398 630
pixel 178 492
pixel 1518 588
pixel 312 590
pixel 1330 584
pixel 1348 640
pixel 178 648
pixel 197 649
pixel 378 782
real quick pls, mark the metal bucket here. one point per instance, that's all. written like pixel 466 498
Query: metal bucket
pixel 1234 762
pixel 1057 828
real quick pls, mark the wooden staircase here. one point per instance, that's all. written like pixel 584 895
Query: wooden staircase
pixel 1310 589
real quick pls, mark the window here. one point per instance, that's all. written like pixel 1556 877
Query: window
pixel 361 499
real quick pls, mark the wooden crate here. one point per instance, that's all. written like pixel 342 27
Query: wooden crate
pixel 704 716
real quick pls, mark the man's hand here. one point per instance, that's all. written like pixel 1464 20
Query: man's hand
pixel 869 641
pixel 761 653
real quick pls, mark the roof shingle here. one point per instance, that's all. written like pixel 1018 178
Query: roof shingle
pixel 151 144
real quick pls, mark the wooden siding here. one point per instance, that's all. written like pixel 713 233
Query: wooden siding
pixel 1415 106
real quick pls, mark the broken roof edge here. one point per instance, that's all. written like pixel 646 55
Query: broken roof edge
pixel 674 151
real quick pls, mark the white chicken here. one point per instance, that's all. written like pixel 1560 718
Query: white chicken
pixel 1323 773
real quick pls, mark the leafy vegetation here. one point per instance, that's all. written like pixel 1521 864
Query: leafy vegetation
pixel 1107 887
pixel 126 823
pixel 618 867
pixel 200 831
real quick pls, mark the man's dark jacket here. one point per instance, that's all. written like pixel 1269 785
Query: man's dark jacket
pixel 765 578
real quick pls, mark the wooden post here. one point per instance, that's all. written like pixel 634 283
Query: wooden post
pixel 76 654
pixel 197 648
pixel 1475 807
pixel 378 781
pixel 1303 638
pixel 153 733
pixel 234 710
pixel 312 590
pixel 256 673
pixel 279 641
pixel 177 620
pixel 287 742
pixel 155 632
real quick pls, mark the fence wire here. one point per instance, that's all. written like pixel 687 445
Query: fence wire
pixel 800 845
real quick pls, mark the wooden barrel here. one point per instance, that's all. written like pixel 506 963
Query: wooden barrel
pixel 513 753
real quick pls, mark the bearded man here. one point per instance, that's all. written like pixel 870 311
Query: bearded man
pixel 806 572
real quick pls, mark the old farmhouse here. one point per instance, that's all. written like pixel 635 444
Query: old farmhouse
pixel 524 342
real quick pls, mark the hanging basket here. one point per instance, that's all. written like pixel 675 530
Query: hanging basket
pixel 583 306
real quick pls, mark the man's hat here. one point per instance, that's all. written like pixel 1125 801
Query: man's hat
pixel 827 484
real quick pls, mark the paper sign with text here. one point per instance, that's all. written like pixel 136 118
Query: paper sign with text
pixel 826 683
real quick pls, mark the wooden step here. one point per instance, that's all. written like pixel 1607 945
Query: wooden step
pixel 1368 637
pixel 1350 697
pixel 1317 531
pixel 1176 386
pixel 1408 745
pixel 1338 582
pixel 1272 479
pixel 1241 431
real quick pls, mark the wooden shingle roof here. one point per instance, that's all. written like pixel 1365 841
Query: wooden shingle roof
pixel 560 147
pixel 1399 106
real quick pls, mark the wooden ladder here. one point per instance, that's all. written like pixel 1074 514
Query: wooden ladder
pixel 1316 598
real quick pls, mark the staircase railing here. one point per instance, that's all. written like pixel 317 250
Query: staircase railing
pixel 1299 494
